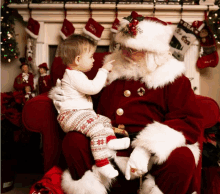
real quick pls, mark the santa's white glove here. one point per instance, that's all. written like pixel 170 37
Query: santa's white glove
pixel 137 163
pixel 57 94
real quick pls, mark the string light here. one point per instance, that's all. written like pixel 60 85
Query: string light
pixel 214 24
pixel 8 42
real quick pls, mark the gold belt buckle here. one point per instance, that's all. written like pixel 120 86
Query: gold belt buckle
pixel 120 131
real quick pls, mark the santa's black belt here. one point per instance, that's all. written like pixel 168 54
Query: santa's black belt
pixel 123 133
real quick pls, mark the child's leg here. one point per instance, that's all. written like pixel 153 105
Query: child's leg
pixel 112 142
pixel 100 151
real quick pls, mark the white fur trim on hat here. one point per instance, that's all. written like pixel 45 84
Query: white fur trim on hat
pixel 92 182
pixel 152 36
pixel 159 139
pixel 91 35
pixel 31 33
pixel 149 186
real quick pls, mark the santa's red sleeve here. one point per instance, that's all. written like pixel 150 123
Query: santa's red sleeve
pixel 181 127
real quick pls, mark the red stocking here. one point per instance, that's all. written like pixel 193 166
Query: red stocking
pixel 208 53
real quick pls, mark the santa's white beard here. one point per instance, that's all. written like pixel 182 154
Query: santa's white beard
pixel 160 67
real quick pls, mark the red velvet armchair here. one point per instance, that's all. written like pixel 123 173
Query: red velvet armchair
pixel 39 115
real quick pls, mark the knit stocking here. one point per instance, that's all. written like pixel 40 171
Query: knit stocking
pixel 208 53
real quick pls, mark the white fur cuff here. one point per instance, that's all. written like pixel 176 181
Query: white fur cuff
pixel 91 182
pixel 149 186
pixel 160 140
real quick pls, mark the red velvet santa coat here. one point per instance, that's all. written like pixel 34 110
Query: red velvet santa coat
pixel 44 83
pixel 20 83
pixel 157 107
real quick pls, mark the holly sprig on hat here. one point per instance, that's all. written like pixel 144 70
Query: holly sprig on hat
pixel 131 29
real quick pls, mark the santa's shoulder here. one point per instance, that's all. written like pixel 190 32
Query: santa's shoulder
pixel 165 74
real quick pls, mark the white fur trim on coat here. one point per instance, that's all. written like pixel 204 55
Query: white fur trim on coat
pixel 166 71
pixel 160 140
pixel 194 148
pixel 151 36
pixel 149 186
pixel 92 182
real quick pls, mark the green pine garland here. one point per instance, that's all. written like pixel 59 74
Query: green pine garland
pixel 9 48
pixel 214 23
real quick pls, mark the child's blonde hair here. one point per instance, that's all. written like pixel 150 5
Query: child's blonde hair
pixel 73 46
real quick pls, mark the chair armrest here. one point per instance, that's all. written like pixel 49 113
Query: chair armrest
pixel 209 109
pixel 38 112
pixel 39 115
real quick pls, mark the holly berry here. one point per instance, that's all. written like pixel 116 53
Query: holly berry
pixel 135 22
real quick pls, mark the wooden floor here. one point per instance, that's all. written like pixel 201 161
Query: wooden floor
pixel 23 183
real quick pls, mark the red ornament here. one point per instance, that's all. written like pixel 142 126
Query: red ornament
pixel 4 39
pixel 10 44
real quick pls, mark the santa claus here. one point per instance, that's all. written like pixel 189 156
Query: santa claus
pixel 149 96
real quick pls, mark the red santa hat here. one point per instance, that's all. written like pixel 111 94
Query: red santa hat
pixel 144 33
pixel 43 65
pixel 33 28
pixel 67 29
pixel 93 29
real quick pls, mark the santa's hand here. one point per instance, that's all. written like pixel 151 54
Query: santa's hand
pixel 137 163
pixel 57 94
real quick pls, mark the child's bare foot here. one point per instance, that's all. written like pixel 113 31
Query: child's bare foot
pixel 108 171
pixel 119 144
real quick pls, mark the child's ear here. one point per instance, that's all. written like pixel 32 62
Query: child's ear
pixel 77 59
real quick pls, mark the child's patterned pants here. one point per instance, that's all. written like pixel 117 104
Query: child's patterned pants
pixel 95 126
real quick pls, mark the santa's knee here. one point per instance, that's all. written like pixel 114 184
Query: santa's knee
pixel 77 153
pixel 179 168
pixel 181 161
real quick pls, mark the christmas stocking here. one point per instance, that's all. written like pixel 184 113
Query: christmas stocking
pixel 208 53
pixel 93 29
pixel 114 30
pixel 32 30
pixel 67 29
pixel 183 37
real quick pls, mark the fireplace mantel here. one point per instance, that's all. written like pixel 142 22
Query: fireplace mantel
pixel 105 13
pixel 51 16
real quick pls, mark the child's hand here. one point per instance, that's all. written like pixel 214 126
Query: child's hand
pixel 108 66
